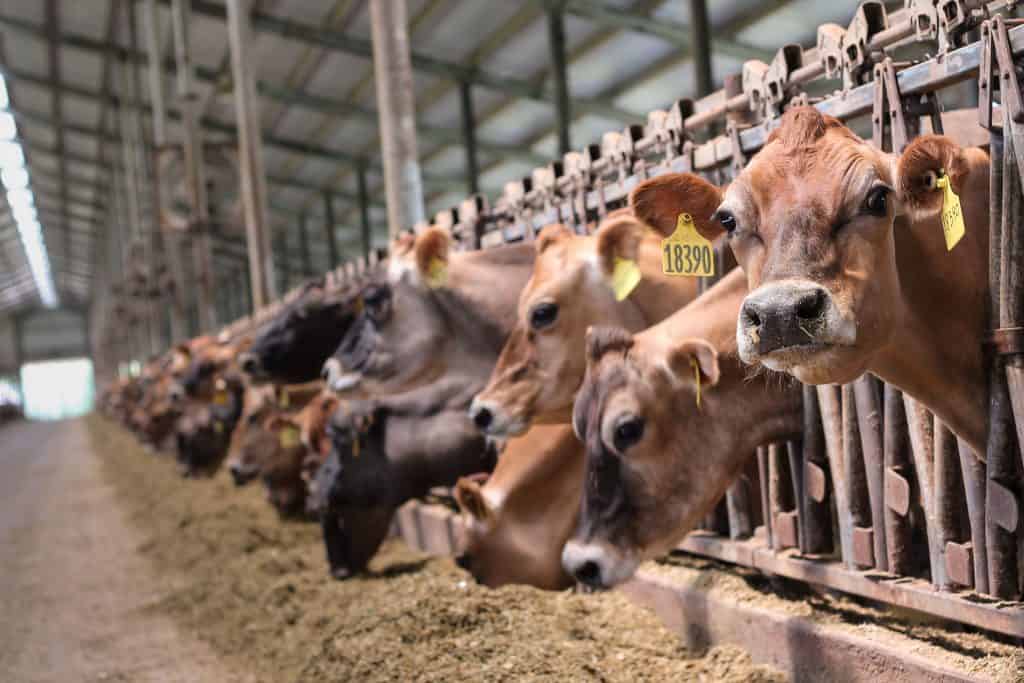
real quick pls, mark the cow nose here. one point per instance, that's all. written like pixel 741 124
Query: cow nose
pixel 237 474
pixel 463 561
pixel 482 417
pixel 249 363
pixel 783 316
pixel 589 574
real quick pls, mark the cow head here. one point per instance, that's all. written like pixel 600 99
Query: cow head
pixel 667 422
pixel 293 346
pixel 250 442
pixel 211 362
pixel 281 470
pixel 813 221
pixel 571 288
pixel 204 432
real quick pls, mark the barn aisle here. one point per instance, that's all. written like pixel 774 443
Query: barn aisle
pixel 73 590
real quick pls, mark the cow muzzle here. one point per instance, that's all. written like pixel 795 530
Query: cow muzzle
pixel 491 419
pixel 790 316
pixel 596 565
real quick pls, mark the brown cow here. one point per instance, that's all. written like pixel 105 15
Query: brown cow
pixel 541 366
pixel 847 264
pixel 519 520
pixel 669 419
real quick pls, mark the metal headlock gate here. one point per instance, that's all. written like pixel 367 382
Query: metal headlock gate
pixel 876 477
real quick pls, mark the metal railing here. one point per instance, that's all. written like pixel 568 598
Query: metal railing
pixel 878 499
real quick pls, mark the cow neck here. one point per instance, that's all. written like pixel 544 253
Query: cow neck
pixel 543 466
pixel 935 353
pixel 480 299
pixel 658 295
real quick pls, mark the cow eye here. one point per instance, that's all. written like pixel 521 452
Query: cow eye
pixel 727 220
pixel 877 201
pixel 628 432
pixel 543 315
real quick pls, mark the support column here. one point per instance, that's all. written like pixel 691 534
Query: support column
pixel 392 68
pixel 560 74
pixel 154 60
pixel 196 182
pixel 304 255
pixel 364 208
pixel 250 153
pixel 700 34
pixel 332 238
pixel 469 137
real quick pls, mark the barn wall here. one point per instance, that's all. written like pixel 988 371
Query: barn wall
pixel 59 333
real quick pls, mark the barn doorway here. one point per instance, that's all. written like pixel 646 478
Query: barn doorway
pixel 57 389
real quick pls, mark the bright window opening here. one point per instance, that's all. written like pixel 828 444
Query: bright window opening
pixel 57 389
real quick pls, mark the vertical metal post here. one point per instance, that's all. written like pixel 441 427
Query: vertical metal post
pixel 250 153
pixel 332 238
pixel 194 175
pixel 469 137
pixel 700 41
pixel 154 61
pixel 392 68
pixel 364 208
pixel 304 255
pixel 560 73
pixel 281 247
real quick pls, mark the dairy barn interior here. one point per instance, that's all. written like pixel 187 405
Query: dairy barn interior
pixel 562 340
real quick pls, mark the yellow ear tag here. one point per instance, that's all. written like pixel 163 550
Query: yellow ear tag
pixel 952 215
pixel 285 400
pixel 625 277
pixel 218 427
pixel 696 375
pixel 685 252
pixel 288 437
pixel 221 397
pixel 437 273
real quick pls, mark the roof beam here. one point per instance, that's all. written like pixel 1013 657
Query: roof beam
pixel 604 14
pixel 361 47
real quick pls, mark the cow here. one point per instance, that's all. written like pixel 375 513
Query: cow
pixel 668 417
pixel 203 433
pixel 292 348
pixel 378 462
pixel 573 287
pixel 847 264
pixel 435 323
pixel 519 520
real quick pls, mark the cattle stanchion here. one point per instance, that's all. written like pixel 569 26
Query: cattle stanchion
pixel 899 494
pixel 815 514
pixel 855 482
pixel 868 401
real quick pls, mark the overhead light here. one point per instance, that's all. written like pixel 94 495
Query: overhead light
pixel 5 100
pixel 25 213
pixel 14 177
pixel 8 129
pixel 20 197
pixel 11 154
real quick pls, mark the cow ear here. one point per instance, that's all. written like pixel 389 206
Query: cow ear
pixel 691 356
pixel 659 201
pixel 601 339
pixel 618 247
pixel 431 255
pixel 550 234
pixel 918 170
pixel 470 497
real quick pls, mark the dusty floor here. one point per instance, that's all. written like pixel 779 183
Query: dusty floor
pixel 255 591
pixel 73 590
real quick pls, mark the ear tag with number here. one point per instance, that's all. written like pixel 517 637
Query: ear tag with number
pixel 685 252
pixel 288 437
pixel 952 215
pixel 437 273
pixel 696 375
pixel 625 277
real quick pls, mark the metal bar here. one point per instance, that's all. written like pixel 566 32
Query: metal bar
pixel 763 479
pixel 364 209
pixel 250 154
pixel 393 73
pixel 329 230
pixel 304 255
pixel 855 482
pixel 899 495
pixel 815 516
pixel 948 489
pixel 700 41
pixel 469 136
pixel 867 395
pixel 830 405
pixel 560 74
pixel 972 475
